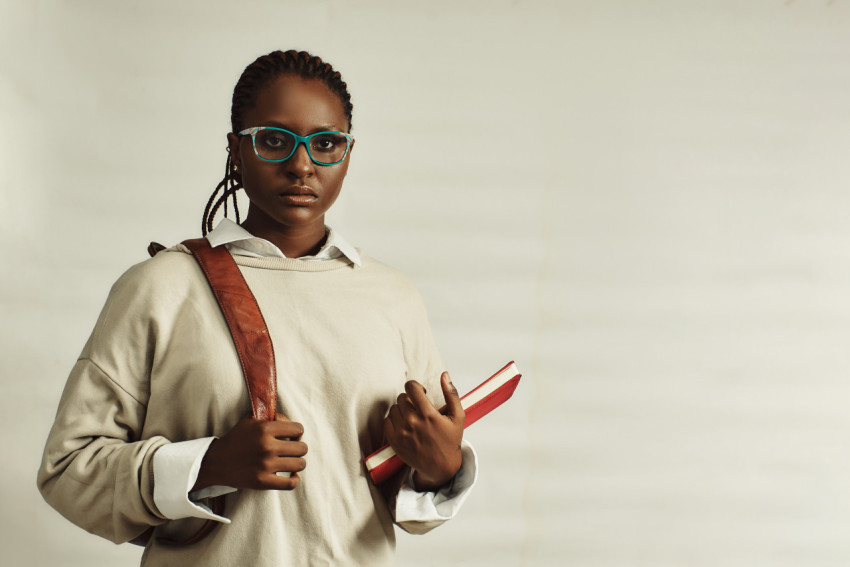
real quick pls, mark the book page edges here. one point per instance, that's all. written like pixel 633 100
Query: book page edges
pixel 490 385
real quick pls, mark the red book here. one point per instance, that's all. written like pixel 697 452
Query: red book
pixel 487 396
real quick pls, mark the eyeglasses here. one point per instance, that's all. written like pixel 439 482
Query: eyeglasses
pixel 277 144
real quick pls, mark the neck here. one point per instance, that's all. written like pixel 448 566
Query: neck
pixel 293 241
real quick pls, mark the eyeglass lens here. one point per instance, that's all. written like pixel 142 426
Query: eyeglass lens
pixel 277 145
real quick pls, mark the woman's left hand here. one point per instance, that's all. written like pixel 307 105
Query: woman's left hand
pixel 426 439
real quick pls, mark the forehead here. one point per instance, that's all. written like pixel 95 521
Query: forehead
pixel 300 104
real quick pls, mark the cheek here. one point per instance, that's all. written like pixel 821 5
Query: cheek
pixel 249 182
pixel 333 183
pixel 336 177
pixel 255 177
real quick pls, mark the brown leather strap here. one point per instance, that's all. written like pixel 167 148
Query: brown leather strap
pixel 246 324
pixel 155 248
pixel 250 336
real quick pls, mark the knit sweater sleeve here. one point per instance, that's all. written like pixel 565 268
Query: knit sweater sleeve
pixel 424 363
pixel 418 513
pixel 97 469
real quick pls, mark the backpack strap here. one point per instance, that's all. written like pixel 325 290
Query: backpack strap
pixel 250 336
pixel 245 321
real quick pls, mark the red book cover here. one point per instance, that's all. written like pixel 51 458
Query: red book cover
pixel 486 397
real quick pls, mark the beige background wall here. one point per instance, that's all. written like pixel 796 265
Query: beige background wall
pixel 642 202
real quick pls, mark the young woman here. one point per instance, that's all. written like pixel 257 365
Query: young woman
pixel 155 417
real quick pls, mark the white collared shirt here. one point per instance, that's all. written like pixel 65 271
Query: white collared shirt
pixel 176 465
pixel 240 242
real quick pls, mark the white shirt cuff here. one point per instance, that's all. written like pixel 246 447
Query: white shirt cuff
pixel 175 471
pixel 423 511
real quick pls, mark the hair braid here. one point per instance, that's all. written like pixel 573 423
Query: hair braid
pixel 257 76
pixel 231 183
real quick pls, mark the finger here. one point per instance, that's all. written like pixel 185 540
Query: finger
pixel 397 420
pixel 290 464
pixel 279 417
pixel 290 448
pixel 389 429
pixel 454 409
pixel 272 481
pixel 404 399
pixel 420 401
pixel 284 429
pixel 407 408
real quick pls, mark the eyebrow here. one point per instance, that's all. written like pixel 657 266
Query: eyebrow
pixel 323 128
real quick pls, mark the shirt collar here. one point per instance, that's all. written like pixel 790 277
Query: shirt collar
pixel 240 242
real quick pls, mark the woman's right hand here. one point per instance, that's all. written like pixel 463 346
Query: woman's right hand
pixel 252 453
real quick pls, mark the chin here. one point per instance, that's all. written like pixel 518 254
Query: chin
pixel 303 217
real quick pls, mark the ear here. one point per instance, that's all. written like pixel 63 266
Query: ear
pixel 233 148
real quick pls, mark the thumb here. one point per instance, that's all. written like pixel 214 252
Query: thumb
pixel 454 409
pixel 280 417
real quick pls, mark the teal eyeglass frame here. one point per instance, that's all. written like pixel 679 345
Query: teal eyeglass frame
pixel 298 140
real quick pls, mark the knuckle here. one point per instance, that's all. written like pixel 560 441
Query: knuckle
pixel 267 450
pixel 256 480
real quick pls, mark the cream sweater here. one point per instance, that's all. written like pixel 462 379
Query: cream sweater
pixel 160 366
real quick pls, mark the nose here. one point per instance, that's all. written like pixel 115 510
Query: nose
pixel 299 165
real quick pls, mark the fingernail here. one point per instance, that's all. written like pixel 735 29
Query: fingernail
pixel 449 379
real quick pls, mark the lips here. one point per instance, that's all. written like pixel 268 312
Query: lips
pixel 298 195
pixel 296 190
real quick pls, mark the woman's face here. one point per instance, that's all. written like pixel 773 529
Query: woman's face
pixel 295 193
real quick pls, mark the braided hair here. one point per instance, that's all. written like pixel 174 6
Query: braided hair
pixel 257 76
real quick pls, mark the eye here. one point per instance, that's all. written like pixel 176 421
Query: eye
pixel 327 142
pixel 274 139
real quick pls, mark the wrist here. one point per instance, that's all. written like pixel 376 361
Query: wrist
pixel 424 482
pixel 206 474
